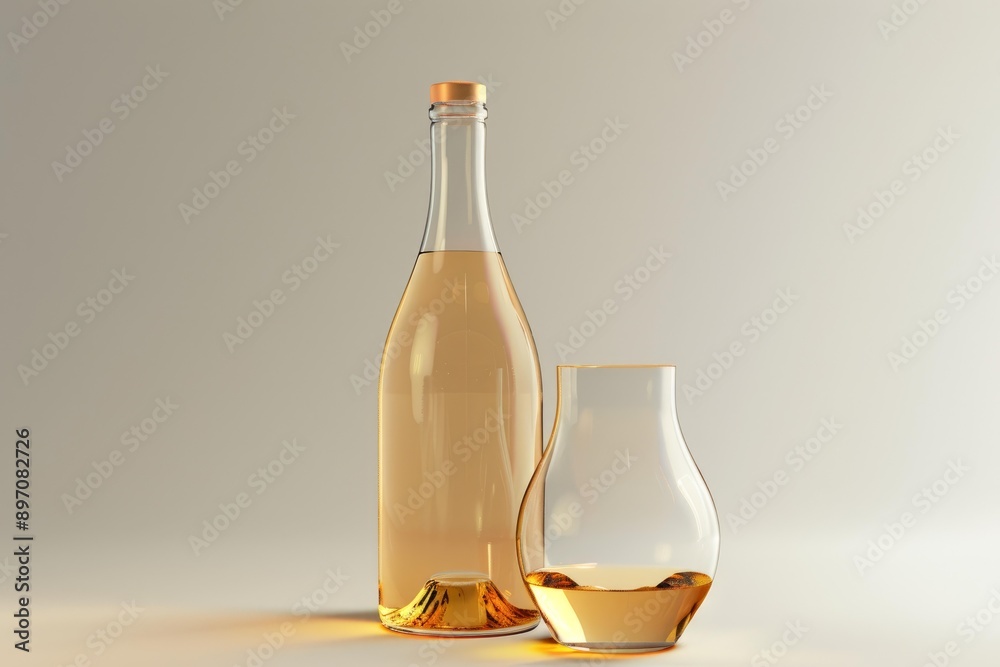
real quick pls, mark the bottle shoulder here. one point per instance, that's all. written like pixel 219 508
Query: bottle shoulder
pixel 459 311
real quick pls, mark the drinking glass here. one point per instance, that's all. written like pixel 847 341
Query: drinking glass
pixel 617 534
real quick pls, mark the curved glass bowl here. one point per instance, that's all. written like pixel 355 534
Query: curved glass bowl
pixel 617 535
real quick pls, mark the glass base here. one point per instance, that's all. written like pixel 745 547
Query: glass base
pixel 618 647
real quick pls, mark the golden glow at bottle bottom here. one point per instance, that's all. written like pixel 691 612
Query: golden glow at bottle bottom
pixel 460 604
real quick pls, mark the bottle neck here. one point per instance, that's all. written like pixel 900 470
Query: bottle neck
pixel 458 217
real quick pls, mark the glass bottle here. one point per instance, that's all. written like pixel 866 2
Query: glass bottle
pixel 459 407
pixel 618 536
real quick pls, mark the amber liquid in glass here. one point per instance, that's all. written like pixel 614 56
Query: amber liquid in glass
pixel 633 608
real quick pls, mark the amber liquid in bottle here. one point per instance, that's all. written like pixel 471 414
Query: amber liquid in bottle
pixel 459 414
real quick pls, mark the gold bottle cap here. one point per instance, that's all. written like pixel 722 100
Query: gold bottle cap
pixel 458 91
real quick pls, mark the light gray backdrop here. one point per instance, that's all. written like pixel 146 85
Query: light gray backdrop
pixel 823 176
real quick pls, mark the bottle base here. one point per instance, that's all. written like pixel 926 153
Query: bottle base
pixel 460 605
pixel 463 632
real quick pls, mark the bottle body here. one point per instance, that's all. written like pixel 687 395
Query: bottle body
pixel 459 435
pixel 459 425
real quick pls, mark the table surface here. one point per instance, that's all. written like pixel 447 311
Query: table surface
pixel 888 615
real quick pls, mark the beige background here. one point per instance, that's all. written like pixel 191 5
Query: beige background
pixel 555 86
